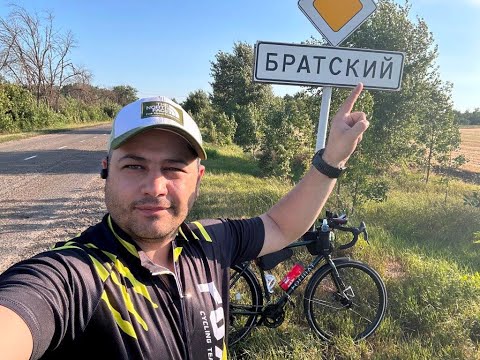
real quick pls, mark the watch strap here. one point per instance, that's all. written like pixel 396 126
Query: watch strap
pixel 323 167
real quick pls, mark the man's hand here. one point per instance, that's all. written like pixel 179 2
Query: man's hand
pixel 346 131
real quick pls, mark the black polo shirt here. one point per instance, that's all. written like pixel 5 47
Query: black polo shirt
pixel 99 295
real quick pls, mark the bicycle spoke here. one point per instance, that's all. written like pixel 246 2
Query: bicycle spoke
pixel 347 311
pixel 245 302
pixel 326 303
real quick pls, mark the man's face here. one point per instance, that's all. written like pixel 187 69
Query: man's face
pixel 152 183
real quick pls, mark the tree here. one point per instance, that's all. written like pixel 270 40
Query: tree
pixel 196 102
pixel 36 55
pixel 467 117
pixel 235 93
pixel 124 94
pixel 438 134
pixel 233 80
pixel 250 121
pixel 395 114
pixel 216 126
pixel 288 144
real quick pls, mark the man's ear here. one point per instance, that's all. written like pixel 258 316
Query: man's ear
pixel 104 171
pixel 201 172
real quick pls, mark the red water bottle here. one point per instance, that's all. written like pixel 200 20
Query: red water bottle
pixel 292 275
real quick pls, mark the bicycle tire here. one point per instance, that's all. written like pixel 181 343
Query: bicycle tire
pixel 330 315
pixel 246 298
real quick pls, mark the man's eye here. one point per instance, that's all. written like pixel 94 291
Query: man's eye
pixel 133 167
pixel 173 169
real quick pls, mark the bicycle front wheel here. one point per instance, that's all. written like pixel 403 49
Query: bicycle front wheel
pixel 352 304
pixel 246 301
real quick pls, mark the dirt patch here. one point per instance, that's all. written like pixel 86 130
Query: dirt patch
pixel 470 148
pixel 394 269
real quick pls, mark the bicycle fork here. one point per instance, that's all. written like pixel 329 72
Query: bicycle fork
pixel 345 292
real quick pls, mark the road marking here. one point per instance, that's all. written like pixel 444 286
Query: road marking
pixel 63 147
pixel 31 157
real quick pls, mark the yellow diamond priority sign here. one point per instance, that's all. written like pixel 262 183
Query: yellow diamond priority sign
pixel 337 19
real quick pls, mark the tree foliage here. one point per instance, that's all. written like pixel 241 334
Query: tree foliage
pixel 467 117
pixel 124 94
pixel 196 102
pixel 232 77
pixel 288 143
pixel 236 95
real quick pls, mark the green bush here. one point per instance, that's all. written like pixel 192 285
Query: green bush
pixel 19 111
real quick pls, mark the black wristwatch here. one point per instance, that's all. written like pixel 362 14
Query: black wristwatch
pixel 324 168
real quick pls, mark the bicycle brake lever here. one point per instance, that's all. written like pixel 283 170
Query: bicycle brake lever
pixel 363 229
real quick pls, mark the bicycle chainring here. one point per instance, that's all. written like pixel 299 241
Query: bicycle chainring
pixel 273 316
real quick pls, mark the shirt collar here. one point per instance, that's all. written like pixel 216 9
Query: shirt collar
pixel 184 234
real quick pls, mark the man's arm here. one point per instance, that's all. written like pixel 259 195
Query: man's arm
pixel 16 341
pixel 295 213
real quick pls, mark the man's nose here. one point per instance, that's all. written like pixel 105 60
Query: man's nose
pixel 155 184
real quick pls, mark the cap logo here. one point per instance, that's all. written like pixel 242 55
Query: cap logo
pixel 161 109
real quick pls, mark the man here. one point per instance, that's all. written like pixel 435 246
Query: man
pixel 143 284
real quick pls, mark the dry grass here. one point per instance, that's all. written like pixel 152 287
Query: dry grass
pixel 470 148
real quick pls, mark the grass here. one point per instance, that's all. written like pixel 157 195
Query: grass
pixel 50 130
pixel 232 186
pixel 421 244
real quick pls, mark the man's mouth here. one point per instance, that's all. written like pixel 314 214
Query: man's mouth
pixel 151 209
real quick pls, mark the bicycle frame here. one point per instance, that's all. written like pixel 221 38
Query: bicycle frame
pixel 301 278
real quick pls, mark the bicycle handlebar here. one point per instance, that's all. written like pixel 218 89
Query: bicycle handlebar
pixel 362 229
pixel 337 222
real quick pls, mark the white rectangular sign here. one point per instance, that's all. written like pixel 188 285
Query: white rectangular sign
pixel 293 64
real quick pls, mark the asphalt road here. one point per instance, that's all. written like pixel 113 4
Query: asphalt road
pixel 50 190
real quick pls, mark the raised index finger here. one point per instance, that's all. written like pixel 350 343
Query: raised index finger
pixel 347 105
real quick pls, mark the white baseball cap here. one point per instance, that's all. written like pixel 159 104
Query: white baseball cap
pixel 155 112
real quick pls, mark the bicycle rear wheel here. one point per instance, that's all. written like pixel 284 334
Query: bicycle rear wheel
pixel 356 310
pixel 246 302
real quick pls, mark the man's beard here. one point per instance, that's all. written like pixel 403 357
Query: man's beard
pixel 153 229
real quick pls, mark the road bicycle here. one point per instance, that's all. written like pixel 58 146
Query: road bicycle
pixel 343 297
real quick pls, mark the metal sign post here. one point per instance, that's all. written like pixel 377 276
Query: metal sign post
pixel 323 119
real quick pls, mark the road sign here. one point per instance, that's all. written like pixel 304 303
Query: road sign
pixel 337 19
pixel 281 63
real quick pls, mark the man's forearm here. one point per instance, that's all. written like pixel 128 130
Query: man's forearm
pixel 288 219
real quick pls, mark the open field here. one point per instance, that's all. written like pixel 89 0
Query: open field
pixel 470 148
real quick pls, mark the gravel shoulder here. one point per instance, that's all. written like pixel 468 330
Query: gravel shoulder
pixel 50 190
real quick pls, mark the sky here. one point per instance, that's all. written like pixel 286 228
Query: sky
pixel 165 47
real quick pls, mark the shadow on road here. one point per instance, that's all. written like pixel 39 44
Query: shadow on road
pixel 62 161
pixel 29 228
pixel 101 131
